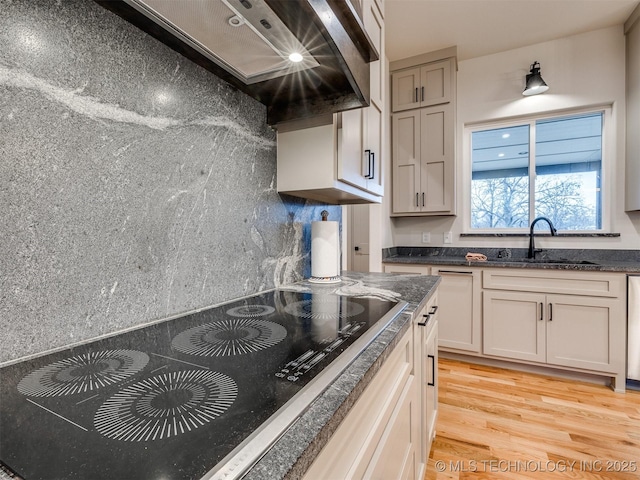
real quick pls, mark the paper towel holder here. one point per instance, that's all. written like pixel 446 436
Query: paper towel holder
pixel 325 251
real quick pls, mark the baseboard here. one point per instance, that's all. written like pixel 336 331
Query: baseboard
pixel 523 367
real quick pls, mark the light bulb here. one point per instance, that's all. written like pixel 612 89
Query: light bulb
pixel 295 57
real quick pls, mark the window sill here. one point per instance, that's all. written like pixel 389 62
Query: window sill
pixel 541 234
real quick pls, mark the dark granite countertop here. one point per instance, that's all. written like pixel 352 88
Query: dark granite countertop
pixel 626 261
pixel 294 452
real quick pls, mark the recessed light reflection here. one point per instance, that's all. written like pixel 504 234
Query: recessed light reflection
pixel 506 135
pixel 162 97
pixel 29 39
pixel 501 155
pixel 295 57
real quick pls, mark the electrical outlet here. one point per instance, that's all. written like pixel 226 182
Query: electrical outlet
pixel 448 237
pixel 426 237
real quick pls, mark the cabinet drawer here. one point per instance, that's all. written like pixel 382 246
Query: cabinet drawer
pixel 594 284
pixel 406 268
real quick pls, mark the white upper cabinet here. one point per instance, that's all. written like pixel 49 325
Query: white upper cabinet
pixel 341 162
pixel 374 26
pixel 423 139
pixel 309 160
pixel 421 86
pixel 424 161
pixel 359 149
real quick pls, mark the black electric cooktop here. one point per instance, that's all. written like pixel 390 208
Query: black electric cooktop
pixel 171 400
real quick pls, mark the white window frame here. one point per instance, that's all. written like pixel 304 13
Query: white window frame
pixel 608 154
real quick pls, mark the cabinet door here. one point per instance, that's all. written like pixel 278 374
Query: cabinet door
pixel 374 26
pixel 431 380
pixel 380 4
pixel 514 325
pixel 460 304
pixel 365 430
pixel 406 268
pixel 351 159
pixel 581 332
pixel 435 83
pixel 372 155
pixel 405 86
pixel 426 348
pixel 360 149
pixel 406 162
pixel 437 159
pixel 395 455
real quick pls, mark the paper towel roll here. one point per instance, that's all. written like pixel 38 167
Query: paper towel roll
pixel 325 252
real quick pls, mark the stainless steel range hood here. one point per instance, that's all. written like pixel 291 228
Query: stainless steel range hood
pixel 245 37
pixel 248 43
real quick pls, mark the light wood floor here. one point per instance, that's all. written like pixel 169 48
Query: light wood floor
pixel 503 424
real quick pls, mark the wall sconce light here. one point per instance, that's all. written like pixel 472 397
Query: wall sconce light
pixel 535 83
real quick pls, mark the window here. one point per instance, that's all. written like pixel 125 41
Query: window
pixel 549 167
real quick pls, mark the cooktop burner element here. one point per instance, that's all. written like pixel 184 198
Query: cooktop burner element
pixel 83 373
pixel 234 336
pixel 325 307
pixel 251 311
pixel 166 405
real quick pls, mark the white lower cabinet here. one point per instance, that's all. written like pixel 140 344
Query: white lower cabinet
pixel 427 352
pixel 513 327
pixel 566 319
pixel 459 295
pixel 564 330
pixel 388 432
pixel 395 455
pixel 377 438
pixel 460 303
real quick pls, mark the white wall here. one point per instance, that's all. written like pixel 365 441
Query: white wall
pixel 581 70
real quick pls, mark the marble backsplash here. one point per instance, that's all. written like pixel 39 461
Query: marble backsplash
pixel 134 185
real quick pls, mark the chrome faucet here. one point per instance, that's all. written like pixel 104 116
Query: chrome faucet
pixel 532 248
